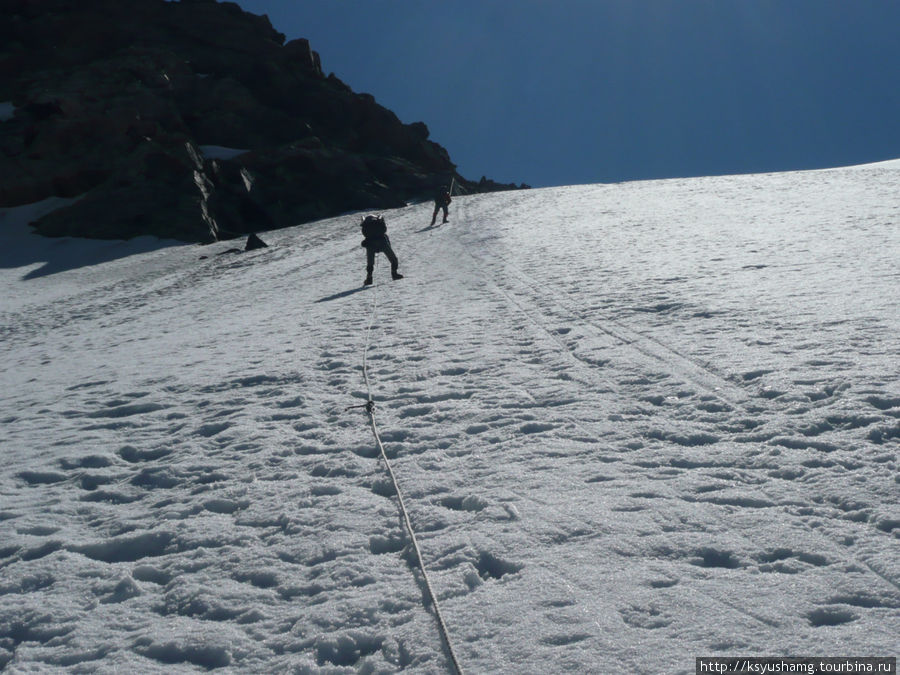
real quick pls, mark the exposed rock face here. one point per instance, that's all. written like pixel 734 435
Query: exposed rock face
pixel 118 102
pixel 254 242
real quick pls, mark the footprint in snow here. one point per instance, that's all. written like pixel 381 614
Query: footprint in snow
pixel 830 616
pixel 490 566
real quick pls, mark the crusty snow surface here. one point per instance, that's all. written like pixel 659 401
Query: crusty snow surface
pixel 633 424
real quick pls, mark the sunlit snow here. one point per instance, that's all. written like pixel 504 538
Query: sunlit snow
pixel 634 424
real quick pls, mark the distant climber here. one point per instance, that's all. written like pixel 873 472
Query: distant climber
pixel 441 201
pixel 375 232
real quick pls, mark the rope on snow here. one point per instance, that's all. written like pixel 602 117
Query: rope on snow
pixel 369 406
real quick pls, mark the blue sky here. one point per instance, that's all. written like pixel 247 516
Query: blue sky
pixel 584 91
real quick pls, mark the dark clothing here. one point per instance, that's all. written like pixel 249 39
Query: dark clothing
pixel 382 245
pixel 376 240
pixel 441 201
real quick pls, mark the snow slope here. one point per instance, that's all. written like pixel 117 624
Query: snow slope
pixel 633 424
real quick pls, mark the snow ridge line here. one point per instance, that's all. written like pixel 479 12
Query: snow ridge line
pixel 370 411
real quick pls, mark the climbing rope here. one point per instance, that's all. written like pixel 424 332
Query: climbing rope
pixel 370 411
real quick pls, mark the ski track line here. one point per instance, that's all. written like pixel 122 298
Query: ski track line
pixel 690 370
pixel 588 370
pixel 602 384
pixel 682 367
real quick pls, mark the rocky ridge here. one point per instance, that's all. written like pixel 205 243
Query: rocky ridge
pixel 191 120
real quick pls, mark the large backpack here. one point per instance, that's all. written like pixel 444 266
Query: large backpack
pixel 373 227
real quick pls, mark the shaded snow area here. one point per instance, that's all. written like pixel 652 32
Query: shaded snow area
pixel 220 152
pixel 633 424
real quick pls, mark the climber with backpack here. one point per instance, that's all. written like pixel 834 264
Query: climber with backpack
pixel 376 240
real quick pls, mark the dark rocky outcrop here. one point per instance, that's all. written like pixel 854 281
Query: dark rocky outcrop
pixel 254 242
pixel 119 102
